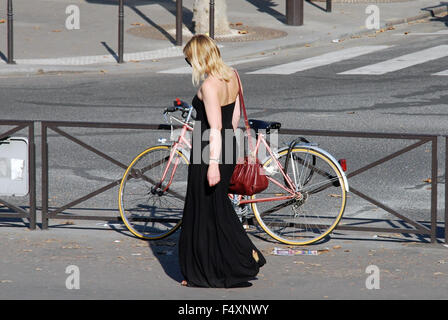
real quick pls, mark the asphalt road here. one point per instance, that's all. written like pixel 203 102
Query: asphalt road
pixel 410 100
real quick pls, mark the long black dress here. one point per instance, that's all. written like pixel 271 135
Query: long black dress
pixel 214 249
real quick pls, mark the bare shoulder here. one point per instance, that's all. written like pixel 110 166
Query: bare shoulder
pixel 209 86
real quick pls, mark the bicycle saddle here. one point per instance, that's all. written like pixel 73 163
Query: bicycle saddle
pixel 266 125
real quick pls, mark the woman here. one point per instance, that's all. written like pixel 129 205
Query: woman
pixel 214 249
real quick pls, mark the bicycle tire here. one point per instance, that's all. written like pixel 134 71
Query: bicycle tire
pixel 324 192
pixel 147 212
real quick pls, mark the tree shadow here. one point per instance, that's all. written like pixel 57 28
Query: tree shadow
pixel 169 5
pixel 266 6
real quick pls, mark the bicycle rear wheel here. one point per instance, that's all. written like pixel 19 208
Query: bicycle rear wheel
pixel 148 208
pixel 311 216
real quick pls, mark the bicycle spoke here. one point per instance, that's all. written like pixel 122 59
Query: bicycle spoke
pixel 277 207
pixel 324 185
pixel 148 211
pixel 315 209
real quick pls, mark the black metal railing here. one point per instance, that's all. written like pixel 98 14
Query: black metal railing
pixel 422 139
pixel 56 127
pixel 418 228
pixel 348 223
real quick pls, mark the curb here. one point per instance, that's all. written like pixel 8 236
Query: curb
pixel 424 15
pixel 429 13
pixel 168 52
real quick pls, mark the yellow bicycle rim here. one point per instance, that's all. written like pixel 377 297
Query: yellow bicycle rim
pixel 120 199
pixel 338 218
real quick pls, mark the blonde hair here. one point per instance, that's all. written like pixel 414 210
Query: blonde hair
pixel 205 58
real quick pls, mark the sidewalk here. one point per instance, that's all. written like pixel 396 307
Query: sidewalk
pixel 42 43
pixel 113 265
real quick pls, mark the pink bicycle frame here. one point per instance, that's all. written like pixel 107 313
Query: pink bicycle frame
pixel 182 140
pixel 179 141
pixel 289 190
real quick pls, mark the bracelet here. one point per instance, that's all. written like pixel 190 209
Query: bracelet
pixel 214 159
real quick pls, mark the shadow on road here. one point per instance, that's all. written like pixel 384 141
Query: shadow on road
pixel 443 19
pixel 166 252
pixel 266 6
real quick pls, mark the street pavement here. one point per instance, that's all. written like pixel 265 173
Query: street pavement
pixel 113 265
pixel 43 43
pixel 357 87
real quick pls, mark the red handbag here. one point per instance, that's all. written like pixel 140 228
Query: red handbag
pixel 248 177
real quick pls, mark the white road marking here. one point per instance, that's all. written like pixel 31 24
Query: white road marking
pixel 402 62
pixel 322 60
pixel 441 73
pixel 187 69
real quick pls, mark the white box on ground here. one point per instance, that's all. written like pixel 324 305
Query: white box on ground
pixel 14 167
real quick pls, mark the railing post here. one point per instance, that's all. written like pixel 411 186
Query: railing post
pixel 212 19
pixel 10 34
pixel 32 175
pixel 446 190
pixel 44 177
pixel 434 163
pixel 120 30
pixel 294 12
pixel 179 22
pixel 328 9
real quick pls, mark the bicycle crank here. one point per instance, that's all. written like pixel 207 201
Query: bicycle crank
pixel 157 191
pixel 300 199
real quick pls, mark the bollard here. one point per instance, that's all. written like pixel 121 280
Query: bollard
pixel 120 30
pixel 212 19
pixel 294 12
pixel 179 22
pixel 328 9
pixel 10 34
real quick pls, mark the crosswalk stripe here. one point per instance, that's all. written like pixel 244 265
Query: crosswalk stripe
pixel 441 73
pixel 187 69
pixel 322 60
pixel 402 61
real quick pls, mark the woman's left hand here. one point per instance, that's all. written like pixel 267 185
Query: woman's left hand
pixel 213 175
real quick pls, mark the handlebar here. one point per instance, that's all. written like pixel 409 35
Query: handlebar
pixel 179 105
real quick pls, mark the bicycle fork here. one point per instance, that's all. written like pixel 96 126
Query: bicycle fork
pixel 156 189
pixel 180 140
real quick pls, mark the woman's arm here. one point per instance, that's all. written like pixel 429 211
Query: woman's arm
pixel 213 110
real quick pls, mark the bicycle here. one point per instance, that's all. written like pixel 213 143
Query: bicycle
pixel 307 182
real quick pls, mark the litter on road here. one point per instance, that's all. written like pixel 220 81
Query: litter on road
pixel 294 252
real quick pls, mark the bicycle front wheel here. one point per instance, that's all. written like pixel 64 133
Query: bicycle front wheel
pixel 151 208
pixel 318 207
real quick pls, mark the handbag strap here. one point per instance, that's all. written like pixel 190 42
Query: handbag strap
pixel 246 121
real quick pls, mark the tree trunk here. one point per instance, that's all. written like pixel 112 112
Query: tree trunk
pixel 201 15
